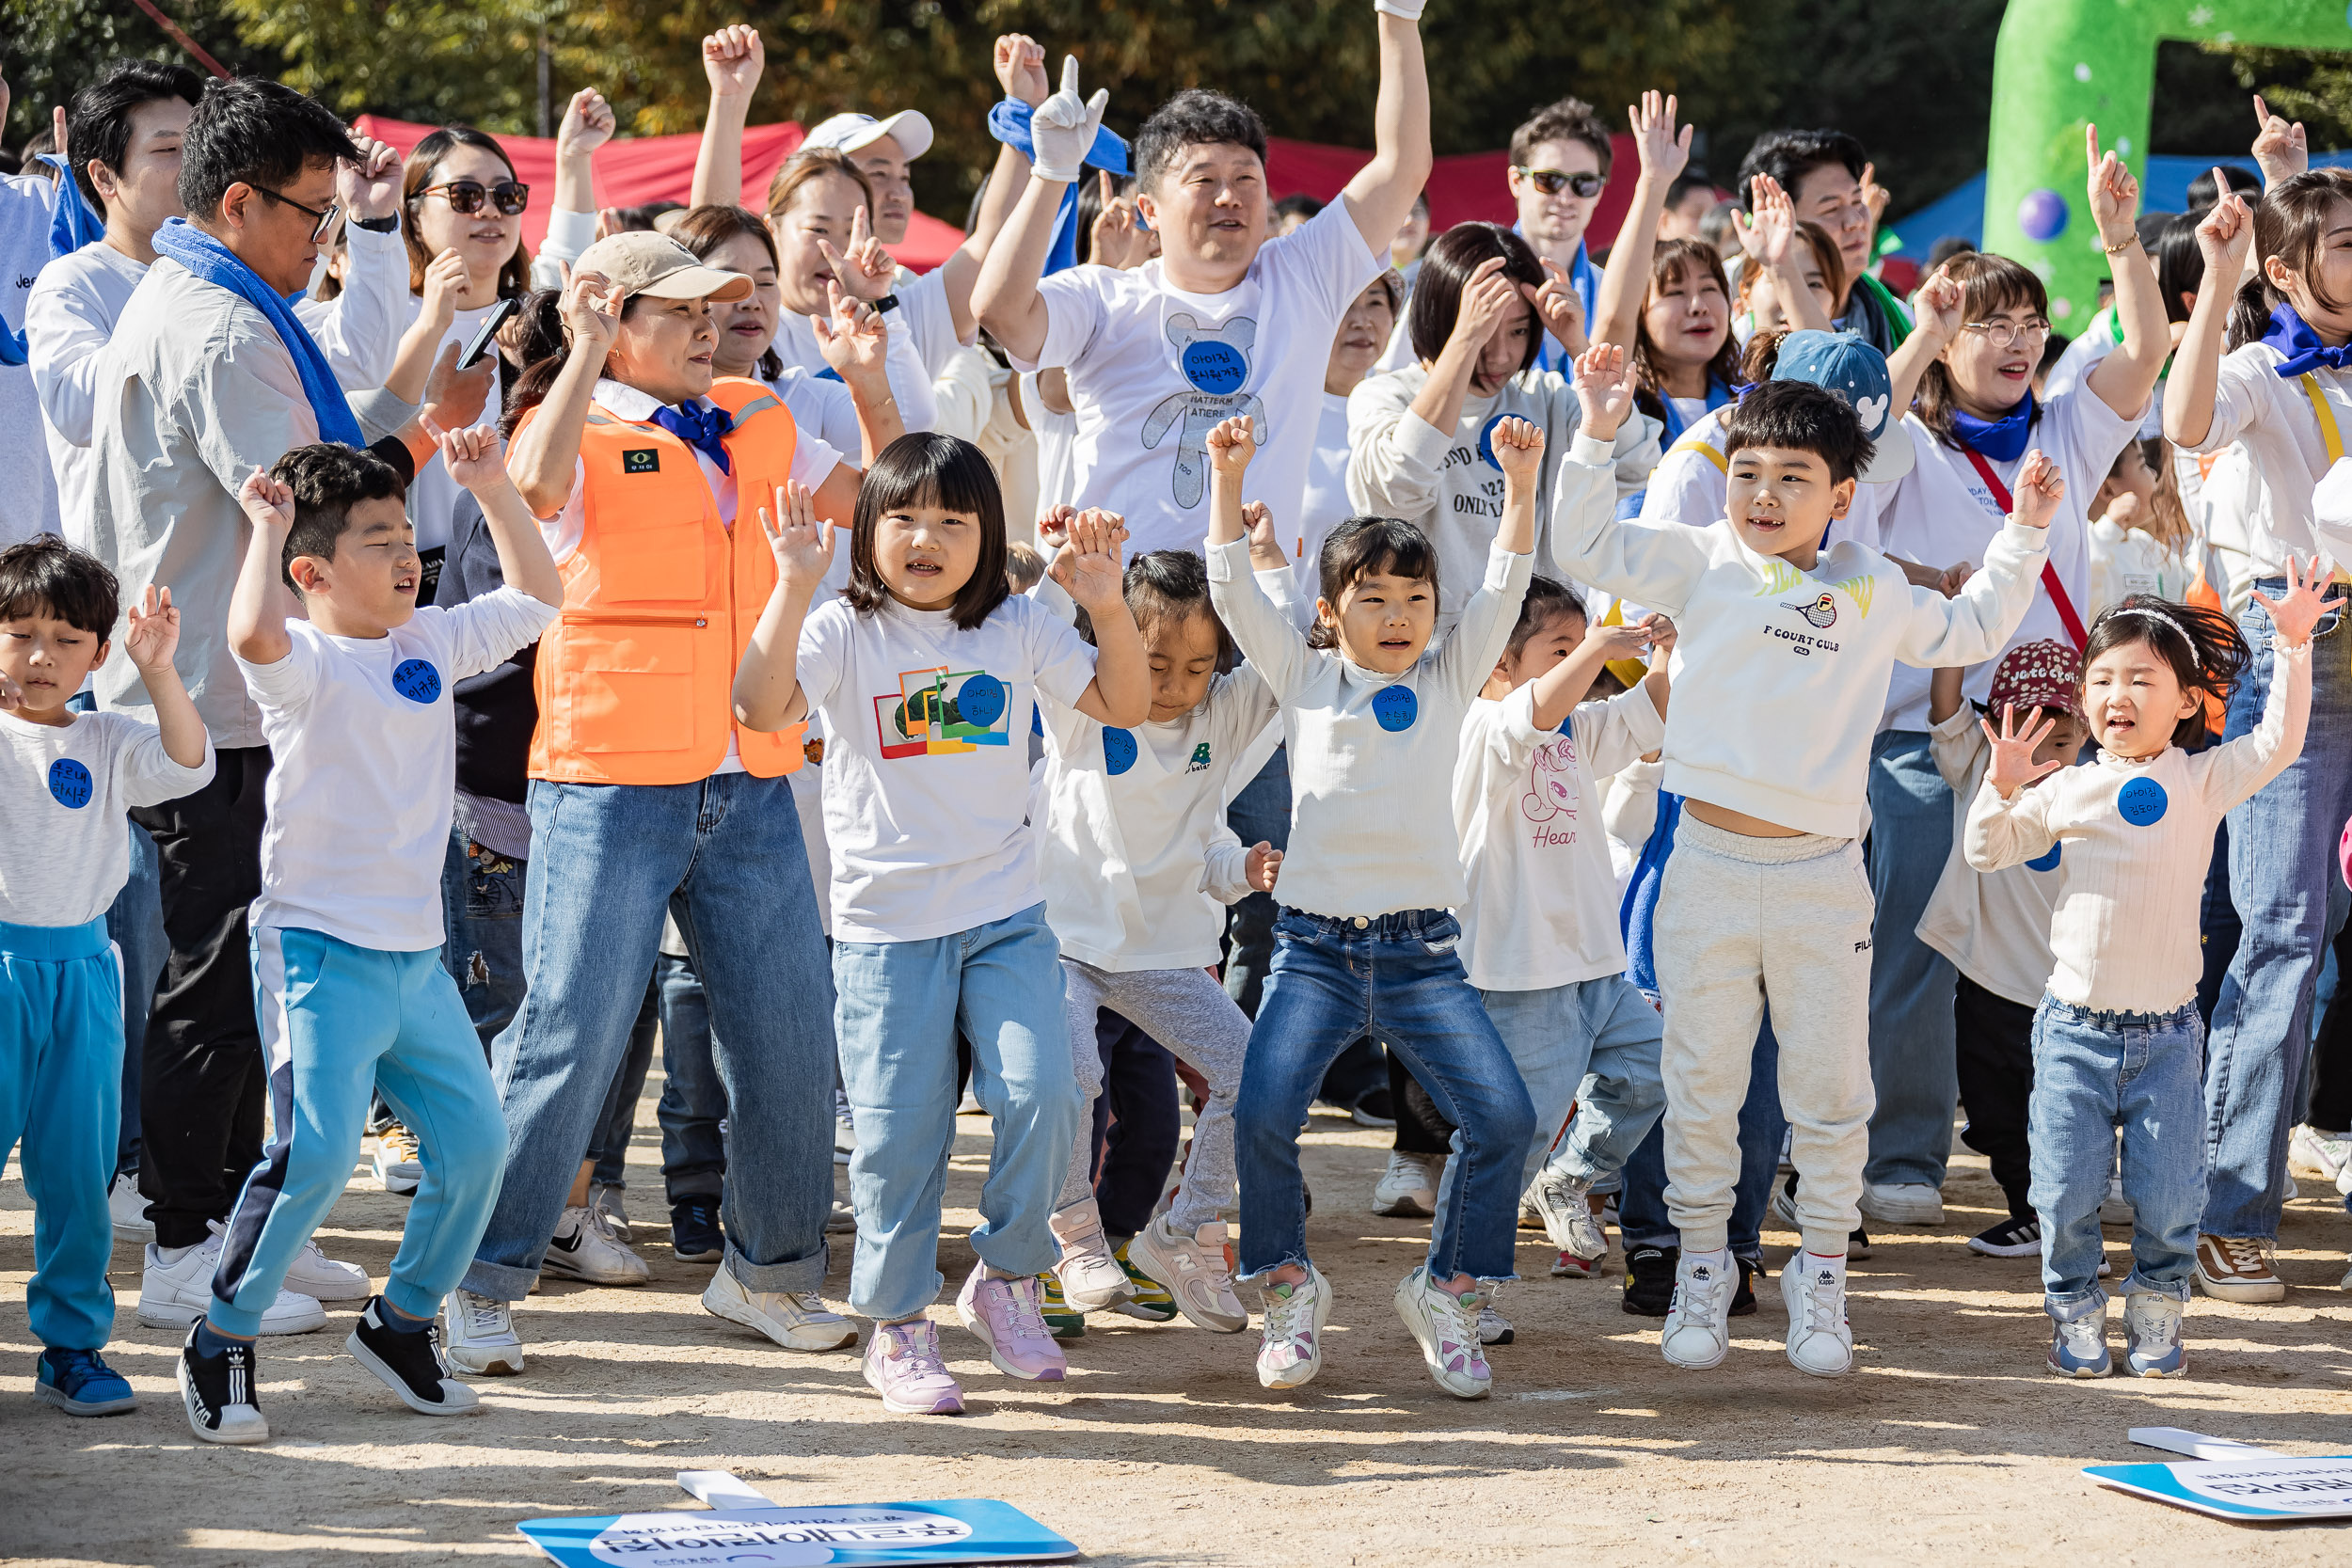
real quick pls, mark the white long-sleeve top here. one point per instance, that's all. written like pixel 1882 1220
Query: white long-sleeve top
pixel 1780 675
pixel 1994 925
pixel 2272 415
pixel 2134 841
pixel 1372 756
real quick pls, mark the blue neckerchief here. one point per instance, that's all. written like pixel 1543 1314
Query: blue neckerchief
pixel 1634 916
pixel 217 264
pixel 1586 280
pixel 2003 440
pixel 700 425
pixel 1009 123
pixel 1718 393
pixel 73 223
pixel 2292 336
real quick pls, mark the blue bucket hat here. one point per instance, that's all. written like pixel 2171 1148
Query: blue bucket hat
pixel 1846 365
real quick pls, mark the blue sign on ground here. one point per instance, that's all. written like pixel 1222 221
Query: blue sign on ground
pixel 960 1530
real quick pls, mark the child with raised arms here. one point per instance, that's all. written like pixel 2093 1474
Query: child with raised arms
pixel 1365 942
pixel 927 669
pixel 1786 652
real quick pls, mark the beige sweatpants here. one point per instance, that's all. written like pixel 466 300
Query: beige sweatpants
pixel 1743 922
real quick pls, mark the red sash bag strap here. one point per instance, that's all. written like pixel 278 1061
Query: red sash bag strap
pixel 2058 600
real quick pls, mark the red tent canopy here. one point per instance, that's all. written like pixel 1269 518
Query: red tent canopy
pixel 632 171
pixel 1463 188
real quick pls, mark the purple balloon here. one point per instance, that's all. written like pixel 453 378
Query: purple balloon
pixel 2043 216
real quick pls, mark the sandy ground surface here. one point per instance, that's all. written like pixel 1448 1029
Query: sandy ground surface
pixel 1161 1449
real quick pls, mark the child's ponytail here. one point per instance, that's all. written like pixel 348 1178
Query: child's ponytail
pixel 2202 646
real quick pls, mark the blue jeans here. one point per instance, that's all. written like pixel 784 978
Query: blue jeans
pixel 2094 1072
pixel 135 925
pixel 1398 977
pixel 482 916
pixel 693 1101
pixel 2283 846
pixel 606 861
pixel 608 1147
pixel 899 1007
pixel 1912 1062
pixel 1641 1217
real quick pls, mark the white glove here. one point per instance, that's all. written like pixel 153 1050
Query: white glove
pixel 1409 10
pixel 1062 130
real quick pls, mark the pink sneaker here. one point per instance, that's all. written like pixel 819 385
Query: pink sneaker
pixel 1008 1317
pixel 902 1365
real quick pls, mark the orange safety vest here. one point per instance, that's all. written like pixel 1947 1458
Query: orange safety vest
pixel 636 677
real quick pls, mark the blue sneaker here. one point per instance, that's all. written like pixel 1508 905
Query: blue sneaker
pixel 2152 1336
pixel 2078 1348
pixel 695 1233
pixel 80 1384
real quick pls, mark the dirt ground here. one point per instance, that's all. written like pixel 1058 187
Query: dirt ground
pixel 1948 1438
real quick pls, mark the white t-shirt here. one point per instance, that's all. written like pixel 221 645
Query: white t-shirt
pixel 2272 416
pixel 1324 505
pixel 1994 925
pixel 1941 513
pixel 64 850
pixel 1542 896
pixel 1057 448
pixel 364 749
pixel 1153 370
pixel 67 319
pixel 927 759
pixel 28 502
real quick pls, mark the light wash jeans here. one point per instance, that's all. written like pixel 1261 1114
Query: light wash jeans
pixel 900 1005
pixel 1912 1061
pixel 2282 855
pixel 135 925
pixel 605 861
pixel 2094 1072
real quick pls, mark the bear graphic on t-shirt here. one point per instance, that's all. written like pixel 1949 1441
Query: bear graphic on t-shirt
pixel 1215 362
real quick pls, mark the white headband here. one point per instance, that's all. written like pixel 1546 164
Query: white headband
pixel 2195 663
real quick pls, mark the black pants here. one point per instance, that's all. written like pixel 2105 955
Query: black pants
pixel 202 1074
pixel 2332 1052
pixel 1420 1126
pixel 1137 1124
pixel 1993 1041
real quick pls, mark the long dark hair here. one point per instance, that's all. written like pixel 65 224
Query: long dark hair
pixel 425 161
pixel 1987 283
pixel 931 470
pixel 1683 261
pixel 2291 223
pixel 1437 289
pixel 706 228
pixel 2202 646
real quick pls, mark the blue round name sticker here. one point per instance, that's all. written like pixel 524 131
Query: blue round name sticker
pixel 1396 707
pixel 2141 802
pixel 70 782
pixel 2046 862
pixel 1215 367
pixel 1119 750
pixel 982 700
pixel 417 680
pixel 1487 441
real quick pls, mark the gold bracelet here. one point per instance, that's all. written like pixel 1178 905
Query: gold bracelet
pixel 2122 244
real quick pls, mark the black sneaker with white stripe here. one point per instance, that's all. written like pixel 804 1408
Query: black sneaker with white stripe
pixel 221 1391
pixel 2018 1236
pixel 409 1363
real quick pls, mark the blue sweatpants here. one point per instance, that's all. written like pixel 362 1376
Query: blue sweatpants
pixel 337 1022
pixel 61 1092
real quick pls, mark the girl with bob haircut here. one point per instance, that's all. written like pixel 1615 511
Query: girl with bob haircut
pixel 927 671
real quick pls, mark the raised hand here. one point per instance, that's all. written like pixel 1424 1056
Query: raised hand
pixel 454 397
pixel 1054 528
pixel 2012 766
pixel 2225 236
pixel 854 337
pixel 153 633
pixel 1936 306
pixel 268 503
pixel 444 280
pixel 588 122
pixel 1519 448
pixel 1956 577
pixel 2281 149
pixel 733 61
pixel 2039 489
pixel 1089 569
pixel 1062 130
pixel 1118 241
pixel 1264 867
pixel 2294 615
pixel 1604 389
pixel 1231 445
pixel 1020 68
pixel 1257 521
pixel 472 455
pixel 1663 633
pixel 2114 194
pixel 591 310
pixel 1626 642
pixel 1765 230
pixel 1558 306
pixel 801 541
pixel 865 269
pixel 1664 155
pixel 370 187
pixel 1874 195
pixel 1485 298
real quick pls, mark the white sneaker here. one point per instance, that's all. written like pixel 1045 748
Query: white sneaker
pixel 1090 1277
pixel 797 1320
pixel 1903 1203
pixel 2324 1154
pixel 1445 1327
pixel 174 1294
pixel 321 1277
pixel 1192 1268
pixel 843 1220
pixel 129 1210
pixel 844 1130
pixel 2115 1209
pixel 1698 1335
pixel 398 1165
pixel 1820 1339
pixel 477 1336
pixel 579 1249
pixel 1563 1201
pixel 604 1202
pixel 1493 1327
pixel 1290 1351
pixel 1408 1188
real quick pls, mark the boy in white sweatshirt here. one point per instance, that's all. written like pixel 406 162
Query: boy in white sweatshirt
pixel 1782 670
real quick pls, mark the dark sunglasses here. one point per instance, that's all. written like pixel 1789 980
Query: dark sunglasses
pixel 326 220
pixel 1551 180
pixel 465 196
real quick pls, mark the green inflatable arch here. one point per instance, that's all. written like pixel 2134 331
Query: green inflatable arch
pixel 2060 64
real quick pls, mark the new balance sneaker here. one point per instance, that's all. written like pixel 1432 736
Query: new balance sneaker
pixel 1062 1320
pixel 1194 1270
pixel 128 1210
pixel 477 1336
pixel 902 1364
pixel 2115 1209
pixel 1650 1280
pixel 2078 1346
pixel 2237 1268
pixel 410 1362
pixel 2018 1236
pixel 1820 1339
pixel 2152 1336
pixel 1090 1276
pixel 221 1392
pixel 1744 1299
pixel 1565 1203
pixel 2327 1155
pixel 1408 1188
pixel 695 1234
pixel 579 1249
pixel 1150 1302
pixel 398 1163
pixel 1784 1207
pixel 1569 1266
pixel 797 1320
pixel 1903 1203
pixel 1445 1327
pixel 80 1382
pixel 174 1293
pixel 1008 1316
pixel 1697 1336
pixel 604 1202
pixel 315 1274
pixel 1290 1349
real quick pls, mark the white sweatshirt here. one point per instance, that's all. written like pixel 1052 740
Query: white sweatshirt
pixel 1372 756
pixel 2135 840
pixel 1780 675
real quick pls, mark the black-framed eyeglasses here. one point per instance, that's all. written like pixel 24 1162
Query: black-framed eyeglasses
pixel 1552 181
pixel 326 219
pixel 465 196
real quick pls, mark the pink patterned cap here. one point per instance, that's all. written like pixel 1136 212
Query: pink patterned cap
pixel 2044 675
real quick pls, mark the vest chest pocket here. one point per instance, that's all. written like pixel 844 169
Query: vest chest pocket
pixel 632 688
pixel 644 531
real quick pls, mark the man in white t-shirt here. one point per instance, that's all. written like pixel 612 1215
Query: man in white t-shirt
pixel 1226 322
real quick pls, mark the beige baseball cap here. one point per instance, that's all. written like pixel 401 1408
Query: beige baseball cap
pixel 648 263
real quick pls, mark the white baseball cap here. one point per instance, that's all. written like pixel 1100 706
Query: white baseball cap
pixel 852 132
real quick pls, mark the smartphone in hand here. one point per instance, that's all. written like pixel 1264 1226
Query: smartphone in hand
pixel 505 311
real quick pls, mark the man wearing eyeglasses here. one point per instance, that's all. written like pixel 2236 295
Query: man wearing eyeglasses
pixel 1559 168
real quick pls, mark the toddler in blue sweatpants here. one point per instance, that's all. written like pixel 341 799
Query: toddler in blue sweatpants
pixel 348 935
pixel 66 780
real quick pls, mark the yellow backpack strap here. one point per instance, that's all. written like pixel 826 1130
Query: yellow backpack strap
pixel 1628 670
pixel 2325 414
pixel 1692 443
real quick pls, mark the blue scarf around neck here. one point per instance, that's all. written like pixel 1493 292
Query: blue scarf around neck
pixel 2293 336
pixel 1009 123
pixel 217 264
pixel 2003 440
pixel 702 426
